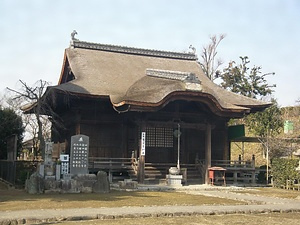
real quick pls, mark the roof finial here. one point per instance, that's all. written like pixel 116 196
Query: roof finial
pixel 192 49
pixel 73 35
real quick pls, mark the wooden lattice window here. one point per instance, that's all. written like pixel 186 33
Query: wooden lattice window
pixel 159 137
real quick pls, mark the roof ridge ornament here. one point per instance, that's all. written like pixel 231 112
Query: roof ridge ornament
pixel 190 80
pixel 192 49
pixel 169 74
pixel 73 35
pixel 73 39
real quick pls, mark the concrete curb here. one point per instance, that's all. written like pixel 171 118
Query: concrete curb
pixel 50 216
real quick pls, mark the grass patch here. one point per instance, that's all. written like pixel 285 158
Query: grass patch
pixel 271 192
pixel 20 200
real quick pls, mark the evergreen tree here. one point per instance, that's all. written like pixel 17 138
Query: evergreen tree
pixel 245 81
pixel 266 124
pixel 10 124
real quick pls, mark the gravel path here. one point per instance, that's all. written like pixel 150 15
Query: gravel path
pixel 253 204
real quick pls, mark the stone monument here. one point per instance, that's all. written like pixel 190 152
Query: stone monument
pixel 102 183
pixel 48 180
pixel 79 154
pixel 48 162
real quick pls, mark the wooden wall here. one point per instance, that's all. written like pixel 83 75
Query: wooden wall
pixel 117 135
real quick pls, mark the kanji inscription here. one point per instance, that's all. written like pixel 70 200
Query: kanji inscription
pixel 79 154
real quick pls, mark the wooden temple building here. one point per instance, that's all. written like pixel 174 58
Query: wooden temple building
pixel 114 94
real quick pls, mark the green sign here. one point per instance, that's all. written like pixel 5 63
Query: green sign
pixel 288 127
pixel 236 131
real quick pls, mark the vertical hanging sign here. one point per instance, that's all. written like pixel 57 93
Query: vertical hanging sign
pixel 143 144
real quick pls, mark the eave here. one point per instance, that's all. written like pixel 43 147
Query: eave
pixel 205 98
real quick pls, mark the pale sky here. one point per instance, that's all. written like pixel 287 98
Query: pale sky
pixel 34 34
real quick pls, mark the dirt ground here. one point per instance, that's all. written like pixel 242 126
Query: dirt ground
pixel 20 200
pixel 13 199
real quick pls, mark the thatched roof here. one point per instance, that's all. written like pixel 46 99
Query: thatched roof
pixel 144 79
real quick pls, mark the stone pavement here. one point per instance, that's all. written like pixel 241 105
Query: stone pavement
pixel 253 204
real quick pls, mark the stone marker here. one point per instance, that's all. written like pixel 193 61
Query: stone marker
pixel 35 184
pixel 79 154
pixel 102 184
pixel 57 172
pixel 128 184
pixel 41 169
pixel 48 162
pixel 85 182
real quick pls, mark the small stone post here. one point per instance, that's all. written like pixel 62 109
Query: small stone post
pixel 253 167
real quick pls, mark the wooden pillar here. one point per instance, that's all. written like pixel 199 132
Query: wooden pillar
pixel 235 177
pixel 226 152
pixel 141 169
pixel 77 126
pixel 207 151
pixel 125 153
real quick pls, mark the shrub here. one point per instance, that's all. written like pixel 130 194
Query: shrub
pixel 262 175
pixel 284 169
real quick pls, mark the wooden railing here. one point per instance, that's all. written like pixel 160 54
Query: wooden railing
pixel 231 164
pixel 242 171
pixel 236 170
pixel 135 165
pixel 200 166
pixel 113 166
pixel 110 163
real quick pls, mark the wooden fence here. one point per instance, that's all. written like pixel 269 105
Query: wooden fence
pixel 16 172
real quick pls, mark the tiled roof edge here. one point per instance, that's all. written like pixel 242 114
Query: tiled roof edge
pixel 132 50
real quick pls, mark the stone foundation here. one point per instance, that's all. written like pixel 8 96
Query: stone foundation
pixel 128 184
pixel 83 183
pixel 173 180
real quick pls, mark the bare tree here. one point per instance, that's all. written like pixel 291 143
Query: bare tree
pixel 1 100
pixel 31 128
pixel 32 95
pixel 209 63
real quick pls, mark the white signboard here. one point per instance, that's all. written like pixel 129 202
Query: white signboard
pixel 64 167
pixel 143 144
pixel 64 158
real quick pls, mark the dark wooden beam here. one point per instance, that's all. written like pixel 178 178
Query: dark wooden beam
pixel 207 151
